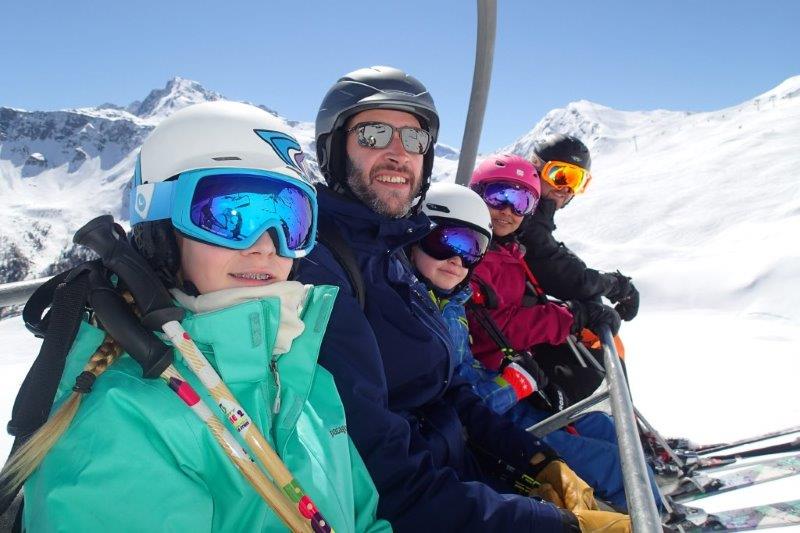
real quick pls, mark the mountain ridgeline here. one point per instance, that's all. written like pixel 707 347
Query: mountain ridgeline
pixel 58 169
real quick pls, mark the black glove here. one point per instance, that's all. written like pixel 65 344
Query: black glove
pixel 593 315
pixel 624 294
pixel 557 397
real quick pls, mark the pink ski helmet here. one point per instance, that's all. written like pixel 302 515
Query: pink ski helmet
pixel 507 168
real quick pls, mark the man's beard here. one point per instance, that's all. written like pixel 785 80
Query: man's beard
pixel 359 184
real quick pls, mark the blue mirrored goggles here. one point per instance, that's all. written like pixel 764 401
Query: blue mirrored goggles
pixel 499 195
pixel 445 241
pixel 233 207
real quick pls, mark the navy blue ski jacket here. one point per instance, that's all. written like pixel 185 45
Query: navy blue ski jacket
pixel 406 412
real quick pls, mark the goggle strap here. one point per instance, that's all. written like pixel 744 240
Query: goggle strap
pixel 152 201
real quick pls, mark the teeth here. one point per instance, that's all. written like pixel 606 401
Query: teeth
pixel 248 275
pixel 391 179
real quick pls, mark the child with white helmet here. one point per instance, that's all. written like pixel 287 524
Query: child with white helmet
pixel 220 210
pixel 444 260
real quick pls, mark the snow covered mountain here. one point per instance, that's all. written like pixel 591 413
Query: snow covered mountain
pixel 59 169
pixel 676 186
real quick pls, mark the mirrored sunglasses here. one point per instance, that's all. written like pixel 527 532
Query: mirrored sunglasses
pixel 379 135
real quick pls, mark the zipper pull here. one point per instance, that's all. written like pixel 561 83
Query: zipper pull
pixel 276 405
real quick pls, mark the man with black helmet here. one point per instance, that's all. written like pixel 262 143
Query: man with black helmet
pixel 564 165
pixel 387 346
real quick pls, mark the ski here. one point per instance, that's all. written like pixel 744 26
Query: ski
pixel 687 445
pixel 786 447
pixel 693 520
pixel 693 462
pixel 698 486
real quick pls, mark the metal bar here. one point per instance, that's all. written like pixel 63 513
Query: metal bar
pixel 595 363
pixel 571 413
pixel 575 351
pixel 641 502
pixel 18 292
pixel 661 440
pixel 481 78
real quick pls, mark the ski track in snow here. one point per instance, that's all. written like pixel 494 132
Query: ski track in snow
pixel 701 209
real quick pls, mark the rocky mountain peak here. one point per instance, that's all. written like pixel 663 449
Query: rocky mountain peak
pixel 176 94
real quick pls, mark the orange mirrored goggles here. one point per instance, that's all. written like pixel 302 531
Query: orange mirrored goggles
pixel 563 175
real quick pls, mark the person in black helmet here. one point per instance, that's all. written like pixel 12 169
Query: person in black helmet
pixel 388 348
pixel 564 164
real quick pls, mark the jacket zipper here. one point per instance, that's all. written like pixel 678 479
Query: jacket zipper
pixel 276 376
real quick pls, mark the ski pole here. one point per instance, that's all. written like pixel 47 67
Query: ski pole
pixel 155 359
pixel 503 345
pixel 661 440
pixel 575 352
pixel 244 425
pixel 265 488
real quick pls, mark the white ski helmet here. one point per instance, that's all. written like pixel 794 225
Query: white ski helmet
pixel 449 202
pixel 210 135
pixel 213 135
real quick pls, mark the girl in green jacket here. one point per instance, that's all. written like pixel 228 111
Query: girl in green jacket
pixel 220 208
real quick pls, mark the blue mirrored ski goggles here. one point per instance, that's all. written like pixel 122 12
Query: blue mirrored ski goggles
pixel 445 241
pixel 233 207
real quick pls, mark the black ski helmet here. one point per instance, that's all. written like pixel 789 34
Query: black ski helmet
pixel 376 87
pixel 564 148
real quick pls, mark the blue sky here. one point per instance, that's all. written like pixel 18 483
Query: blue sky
pixel 682 54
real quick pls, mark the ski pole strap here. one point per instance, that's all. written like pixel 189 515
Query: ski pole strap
pixel 35 397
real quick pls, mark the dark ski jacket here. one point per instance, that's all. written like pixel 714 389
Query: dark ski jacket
pixel 406 411
pixel 560 272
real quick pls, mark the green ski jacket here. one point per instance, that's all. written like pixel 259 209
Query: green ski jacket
pixel 135 458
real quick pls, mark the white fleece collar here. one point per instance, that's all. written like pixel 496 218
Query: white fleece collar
pixel 292 295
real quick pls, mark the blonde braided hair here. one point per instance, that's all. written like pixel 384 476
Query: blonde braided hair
pixel 28 457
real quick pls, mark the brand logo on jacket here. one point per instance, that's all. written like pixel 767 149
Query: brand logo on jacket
pixel 338 431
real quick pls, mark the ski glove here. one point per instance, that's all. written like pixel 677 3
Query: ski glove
pixel 603 521
pixel 592 315
pixel 560 485
pixel 523 374
pixel 557 399
pixel 624 294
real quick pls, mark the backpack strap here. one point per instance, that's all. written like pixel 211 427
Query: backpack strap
pixel 329 235
pixel 34 400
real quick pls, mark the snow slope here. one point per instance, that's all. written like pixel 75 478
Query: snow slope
pixel 701 209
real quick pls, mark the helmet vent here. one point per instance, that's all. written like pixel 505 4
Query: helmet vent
pixel 437 207
pixel 499 163
pixel 227 158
